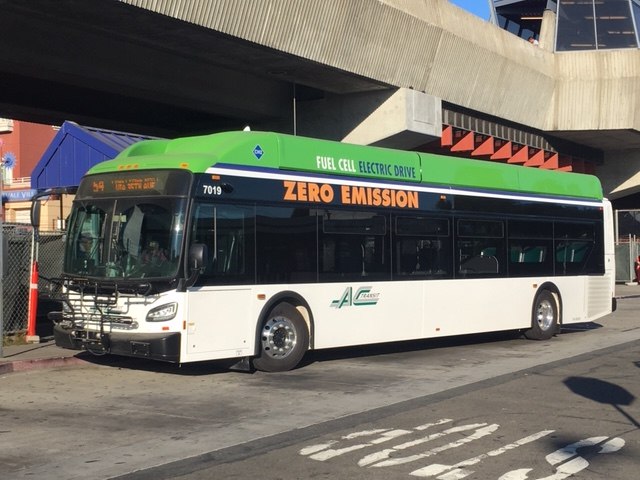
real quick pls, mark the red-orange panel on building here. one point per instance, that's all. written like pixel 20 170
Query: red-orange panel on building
pixel 487 147
pixel 504 152
pixel 520 156
pixel 446 140
pixel 551 161
pixel 535 160
pixel 465 144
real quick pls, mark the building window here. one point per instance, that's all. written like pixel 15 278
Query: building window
pixel 595 25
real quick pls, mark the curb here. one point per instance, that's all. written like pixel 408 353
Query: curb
pixel 26 365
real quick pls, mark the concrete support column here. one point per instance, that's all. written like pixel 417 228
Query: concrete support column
pixel 548 31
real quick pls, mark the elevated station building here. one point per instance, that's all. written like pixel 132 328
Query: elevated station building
pixel 544 84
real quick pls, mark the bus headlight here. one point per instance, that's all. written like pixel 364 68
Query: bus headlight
pixel 162 313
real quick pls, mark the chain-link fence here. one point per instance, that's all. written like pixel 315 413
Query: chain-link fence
pixel 627 244
pixel 50 260
pixel 17 251
pixel 18 239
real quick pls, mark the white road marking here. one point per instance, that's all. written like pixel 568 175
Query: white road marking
pixel 482 430
pixel 438 469
pixel 321 452
pixel 572 463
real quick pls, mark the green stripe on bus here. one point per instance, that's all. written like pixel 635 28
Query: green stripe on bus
pixel 301 154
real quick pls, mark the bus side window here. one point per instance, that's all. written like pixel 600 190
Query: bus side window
pixel 572 255
pixel 227 231
pixel 423 247
pixel 355 245
pixel 480 248
pixel 530 248
pixel 574 244
pixel 286 239
pixel 349 255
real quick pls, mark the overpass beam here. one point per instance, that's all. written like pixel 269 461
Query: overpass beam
pixel 620 173
pixel 400 118
pixel 405 120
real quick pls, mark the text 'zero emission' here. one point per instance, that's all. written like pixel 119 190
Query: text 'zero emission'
pixel 349 195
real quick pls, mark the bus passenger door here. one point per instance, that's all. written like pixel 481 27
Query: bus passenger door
pixel 219 316
pixel 219 323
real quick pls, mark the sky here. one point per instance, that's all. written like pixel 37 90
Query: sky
pixel 477 7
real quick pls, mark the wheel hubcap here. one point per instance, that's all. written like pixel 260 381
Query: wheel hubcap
pixel 278 337
pixel 545 315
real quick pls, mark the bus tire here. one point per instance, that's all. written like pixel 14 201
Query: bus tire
pixel 544 318
pixel 283 339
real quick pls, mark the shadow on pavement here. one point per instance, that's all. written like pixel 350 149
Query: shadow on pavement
pixel 603 392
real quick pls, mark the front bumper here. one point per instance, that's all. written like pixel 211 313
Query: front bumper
pixel 156 346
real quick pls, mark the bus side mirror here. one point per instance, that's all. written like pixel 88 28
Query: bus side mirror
pixel 37 198
pixel 198 257
pixel 35 213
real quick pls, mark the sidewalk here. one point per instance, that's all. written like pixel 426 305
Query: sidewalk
pixel 17 358
pixel 624 290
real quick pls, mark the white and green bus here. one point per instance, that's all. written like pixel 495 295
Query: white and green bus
pixel 260 246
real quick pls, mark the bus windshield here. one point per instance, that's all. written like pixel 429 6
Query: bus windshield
pixel 125 238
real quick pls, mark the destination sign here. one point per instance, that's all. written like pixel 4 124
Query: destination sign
pixel 142 182
pixel 129 184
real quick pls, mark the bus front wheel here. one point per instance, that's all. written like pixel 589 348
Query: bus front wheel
pixel 283 341
pixel 544 321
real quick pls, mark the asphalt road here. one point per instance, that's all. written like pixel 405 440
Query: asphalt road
pixel 551 422
pixel 479 407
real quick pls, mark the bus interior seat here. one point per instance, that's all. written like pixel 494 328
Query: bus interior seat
pixel 572 253
pixel 527 254
pixel 480 265
pixel 488 252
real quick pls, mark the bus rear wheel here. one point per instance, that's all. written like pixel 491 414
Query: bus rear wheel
pixel 283 340
pixel 544 321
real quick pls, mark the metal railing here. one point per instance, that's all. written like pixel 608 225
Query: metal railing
pixel 627 251
pixel 17 182
pixel 627 229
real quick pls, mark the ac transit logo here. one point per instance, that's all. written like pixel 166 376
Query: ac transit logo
pixel 363 296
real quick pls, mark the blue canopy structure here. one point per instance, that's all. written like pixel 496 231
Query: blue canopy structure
pixel 74 150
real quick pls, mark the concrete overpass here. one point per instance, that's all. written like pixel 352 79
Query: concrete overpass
pixel 415 74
